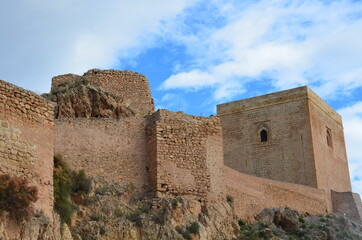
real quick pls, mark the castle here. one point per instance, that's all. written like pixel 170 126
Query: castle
pixel 284 149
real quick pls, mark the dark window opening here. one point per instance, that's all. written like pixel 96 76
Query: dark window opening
pixel 263 135
pixel 329 138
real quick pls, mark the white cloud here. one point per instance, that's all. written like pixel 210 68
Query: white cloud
pixel 352 121
pixel 292 42
pixel 40 39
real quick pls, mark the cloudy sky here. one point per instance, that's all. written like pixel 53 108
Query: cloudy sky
pixel 196 53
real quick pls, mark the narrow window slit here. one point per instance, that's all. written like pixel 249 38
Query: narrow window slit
pixel 263 135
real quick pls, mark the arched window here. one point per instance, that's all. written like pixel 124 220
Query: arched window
pixel 329 138
pixel 263 135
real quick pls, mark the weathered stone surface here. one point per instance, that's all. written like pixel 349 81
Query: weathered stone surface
pixel 37 227
pixel 26 140
pixel 79 99
pixel 133 88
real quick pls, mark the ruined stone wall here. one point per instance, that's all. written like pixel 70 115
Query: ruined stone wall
pixel 26 140
pixel 252 194
pixel 132 87
pixel 287 155
pixel 110 148
pixel 185 155
pixel 330 157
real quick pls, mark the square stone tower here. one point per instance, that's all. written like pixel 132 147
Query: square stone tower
pixel 291 136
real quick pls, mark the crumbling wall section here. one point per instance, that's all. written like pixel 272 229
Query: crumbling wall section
pixel 26 140
pixel 252 194
pixel 111 148
pixel 185 155
pixel 131 86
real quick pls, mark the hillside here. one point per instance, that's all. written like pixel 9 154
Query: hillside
pixel 111 211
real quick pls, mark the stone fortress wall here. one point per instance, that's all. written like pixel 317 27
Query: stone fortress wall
pixel 252 194
pixel 26 140
pixel 111 148
pixel 185 156
pixel 171 154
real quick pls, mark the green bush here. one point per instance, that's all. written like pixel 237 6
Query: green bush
pixel 229 199
pixel 193 228
pixel 118 212
pixel 185 234
pixel 67 183
pixel 174 203
pixel 241 223
pixel 81 184
pixel 62 190
pixel 135 217
pixel 16 196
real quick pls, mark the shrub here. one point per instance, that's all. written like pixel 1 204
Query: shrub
pixel 174 203
pixel 185 234
pixel 62 190
pixel 135 217
pixel 67 183
pixel 229 199
pixel 118 212
pixel 241 223
pixel 16 196
pixel 193 228
pixel 102 230
pixel 81 184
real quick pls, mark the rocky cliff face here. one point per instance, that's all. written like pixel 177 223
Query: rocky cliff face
pixel 78 98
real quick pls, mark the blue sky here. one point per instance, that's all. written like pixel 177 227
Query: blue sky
pixel 196 54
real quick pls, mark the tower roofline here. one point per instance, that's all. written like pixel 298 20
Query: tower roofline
pixel 267 100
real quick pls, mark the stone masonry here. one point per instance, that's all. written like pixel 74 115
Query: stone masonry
pixel 26 140
pixel 291 136
pixel 185 155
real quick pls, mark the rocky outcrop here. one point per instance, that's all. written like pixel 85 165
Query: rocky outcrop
pixel 37 227
pixel 78 98
pixel 113 212
pixel 289 224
